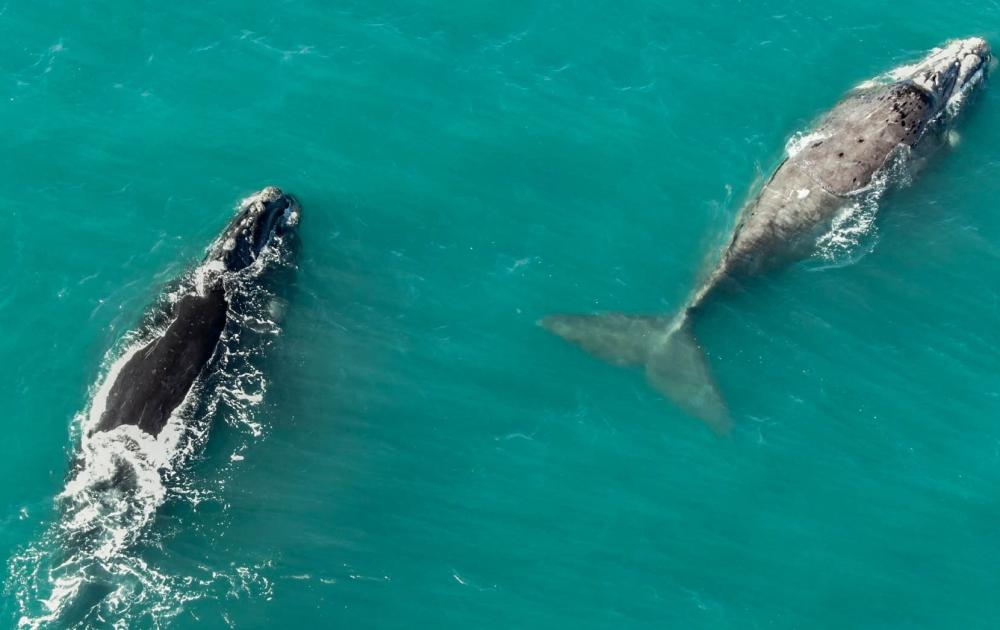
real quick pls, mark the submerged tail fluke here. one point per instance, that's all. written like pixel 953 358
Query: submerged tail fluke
pixel 667 349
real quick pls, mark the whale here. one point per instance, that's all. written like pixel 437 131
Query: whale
pixel 892 121
pixel 151 412
pixel 157 378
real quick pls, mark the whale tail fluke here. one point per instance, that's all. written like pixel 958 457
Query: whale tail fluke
pixel 666 347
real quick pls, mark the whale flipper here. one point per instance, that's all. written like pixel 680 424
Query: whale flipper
pixel 674 362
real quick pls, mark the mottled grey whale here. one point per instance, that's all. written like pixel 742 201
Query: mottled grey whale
pixel 157 377
pixel 904 113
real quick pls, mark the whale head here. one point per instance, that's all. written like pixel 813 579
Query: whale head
pixel 949 74
pixel 261 217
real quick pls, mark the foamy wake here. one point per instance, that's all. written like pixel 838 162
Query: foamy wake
pixel 86 569
pixel 853 232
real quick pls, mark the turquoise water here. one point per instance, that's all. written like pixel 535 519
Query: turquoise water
pixel 424 455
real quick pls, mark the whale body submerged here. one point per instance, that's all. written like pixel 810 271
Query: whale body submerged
pixel 903 114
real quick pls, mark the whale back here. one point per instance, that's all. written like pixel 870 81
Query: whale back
pixel 856 138
pixel 845 153
pixel 156 379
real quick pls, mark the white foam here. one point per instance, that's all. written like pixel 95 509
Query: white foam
pixel 959 96
pixel 800 141
pixel 849 228
pixel 853 231
pixel 205 274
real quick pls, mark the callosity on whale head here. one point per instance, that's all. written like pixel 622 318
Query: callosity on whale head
pixel 950 73
pixel 261 217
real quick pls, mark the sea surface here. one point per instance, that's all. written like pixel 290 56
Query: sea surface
pixel 408 448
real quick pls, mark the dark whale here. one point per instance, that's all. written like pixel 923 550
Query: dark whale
pixel 201 331
pixel 894 118
pixel 157 378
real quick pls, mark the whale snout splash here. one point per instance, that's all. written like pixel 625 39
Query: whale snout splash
pixel 853 154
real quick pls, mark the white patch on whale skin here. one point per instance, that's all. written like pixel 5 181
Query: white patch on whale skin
pixel 804 192
pixel 800 141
